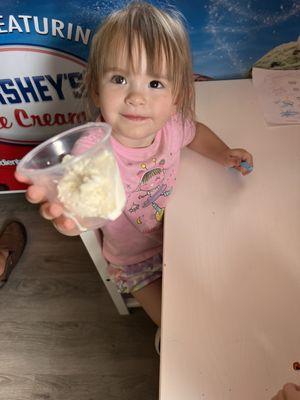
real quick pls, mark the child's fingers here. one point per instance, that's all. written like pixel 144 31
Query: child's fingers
pixel 21 178
pixel 54 212
pixel 290 389
pixel 240 169
pixel 66 226
pixel 51 211
pixel 241 160
pixel 242 155
pixel 245 167
pixel 35 194
pixel 243 170
pixel 233 161
pixel 279 396
pixel 248 157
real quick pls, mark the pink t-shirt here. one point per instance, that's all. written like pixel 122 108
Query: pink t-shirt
pixel 148 176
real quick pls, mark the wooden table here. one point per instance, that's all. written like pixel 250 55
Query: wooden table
pixel 231 287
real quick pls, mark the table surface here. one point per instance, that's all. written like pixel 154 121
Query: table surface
pixel 231 286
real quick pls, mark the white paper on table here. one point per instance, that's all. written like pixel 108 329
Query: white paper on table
pixel 278 94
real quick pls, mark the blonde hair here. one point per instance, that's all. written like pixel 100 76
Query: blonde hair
pixel 163 36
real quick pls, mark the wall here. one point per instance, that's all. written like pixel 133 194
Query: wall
pixel 44 50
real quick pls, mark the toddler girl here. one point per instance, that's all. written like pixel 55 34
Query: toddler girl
pixel 139 76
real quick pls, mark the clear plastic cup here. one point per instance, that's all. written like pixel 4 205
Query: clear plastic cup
pixel 78 170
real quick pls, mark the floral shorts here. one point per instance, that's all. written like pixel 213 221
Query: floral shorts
pixel 132 277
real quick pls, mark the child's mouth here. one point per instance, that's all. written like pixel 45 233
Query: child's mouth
pixel 133 117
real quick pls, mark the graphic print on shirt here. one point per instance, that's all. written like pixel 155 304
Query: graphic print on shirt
pixel 151 187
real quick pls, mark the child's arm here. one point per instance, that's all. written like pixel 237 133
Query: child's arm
pixel 207 143
pixel 290 391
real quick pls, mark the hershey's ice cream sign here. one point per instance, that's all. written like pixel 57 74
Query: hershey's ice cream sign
pixel 40 82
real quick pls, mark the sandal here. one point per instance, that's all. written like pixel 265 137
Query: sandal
pixel 12 238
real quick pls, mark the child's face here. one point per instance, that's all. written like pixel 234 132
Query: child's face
pixel 135 104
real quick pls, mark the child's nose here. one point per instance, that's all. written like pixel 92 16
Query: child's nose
pixel 135 98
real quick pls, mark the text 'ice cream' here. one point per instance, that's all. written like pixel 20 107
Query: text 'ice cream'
pixel 92 187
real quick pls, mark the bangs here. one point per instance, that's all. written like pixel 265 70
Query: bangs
pixel 125 50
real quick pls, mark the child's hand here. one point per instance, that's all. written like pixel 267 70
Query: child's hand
pixel 290 391
pixel 234 157
pixel 50 211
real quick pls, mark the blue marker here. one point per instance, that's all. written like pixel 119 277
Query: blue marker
pixel 245 165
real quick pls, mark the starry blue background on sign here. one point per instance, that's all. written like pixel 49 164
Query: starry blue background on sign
pixel 227 36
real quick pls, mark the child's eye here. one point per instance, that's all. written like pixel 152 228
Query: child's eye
pixel 118 79
pixel 156 85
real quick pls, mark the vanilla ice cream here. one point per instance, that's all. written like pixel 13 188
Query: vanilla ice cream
pixel 92 187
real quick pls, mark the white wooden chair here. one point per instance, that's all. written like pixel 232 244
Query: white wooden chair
pixel 92 241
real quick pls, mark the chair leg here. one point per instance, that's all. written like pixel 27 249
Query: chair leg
pixel 92 242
